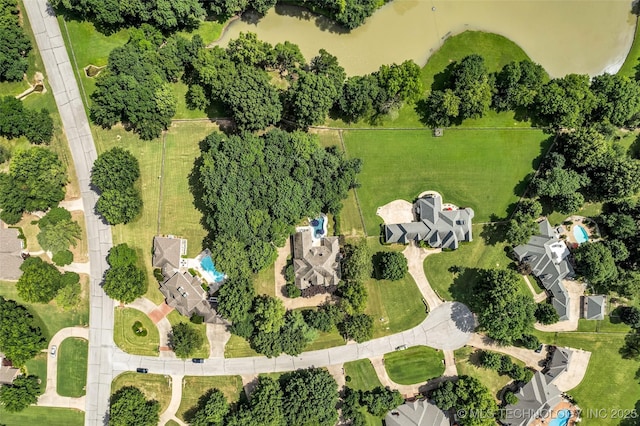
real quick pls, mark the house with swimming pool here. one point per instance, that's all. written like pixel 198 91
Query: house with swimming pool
pixel 189 284
pixel 546 254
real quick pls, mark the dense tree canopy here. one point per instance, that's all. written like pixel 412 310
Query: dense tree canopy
pixel 467 395
pixel 16 121
pixel 20 394
pixel 20 338
pixel 129 407
pixel 308 100
pixel 39 282
pixel 166 15
pixel 517 85
pixel 618 100
pixel 310 397
pixel 14 43
pixel 124 280
pixel 119 206
pixel 185 340
pixel 58 231
pixel 116 168
pixel 211 410
pixel 392 265
pixel 595 263
pixel 35 181
pixel 268 314
pixel 253 189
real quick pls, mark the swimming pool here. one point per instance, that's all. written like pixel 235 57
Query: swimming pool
pixel 318 226
pixel 580 234
pixel 210 268
pixel 562 418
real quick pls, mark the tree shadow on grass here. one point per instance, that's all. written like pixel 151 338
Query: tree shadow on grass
pixel 494 232
pixel 462 288
pixel 202 401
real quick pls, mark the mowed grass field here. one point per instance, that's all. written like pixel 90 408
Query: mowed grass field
pixel 167 201
pixel 414 365
pixel 72 367
pixel 610 383
pixel 194 387
pixel 486 170
pixel 34 415
pixel 128 340
pixel 153 386
pixel 203 351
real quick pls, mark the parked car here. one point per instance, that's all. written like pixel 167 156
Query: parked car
pixel 539 349
pixel 142 370
pixel 54 350
pixel 198 360
pixel 401 348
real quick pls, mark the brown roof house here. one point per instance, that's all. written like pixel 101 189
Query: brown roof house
pixel 182 291
pixel 316 262
pixel 10 254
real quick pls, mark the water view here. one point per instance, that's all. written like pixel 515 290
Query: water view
pixel 556 34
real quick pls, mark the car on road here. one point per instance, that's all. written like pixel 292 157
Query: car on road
pixel 539 349
pixel 142 370
pixel 401 348
pixel 54 350
pixel 198 360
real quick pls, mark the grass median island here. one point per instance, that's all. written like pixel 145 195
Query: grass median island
pixel 50 317
pixel 128 340
pixel 34 415
pixel 72 367
pixel 486 170
pixel 414 365
pixel 194 387
pixel 153 386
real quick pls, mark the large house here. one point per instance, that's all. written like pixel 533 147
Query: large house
pixel 540 396
pixel 417 413
pixel 436 226
pixel 10 254
pixel 182 291
pixel 316 262
pixel 546 254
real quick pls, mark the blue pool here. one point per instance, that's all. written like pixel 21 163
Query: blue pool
pixel 210 268
pixel 318 226
pixel 581 234
pixel 562 418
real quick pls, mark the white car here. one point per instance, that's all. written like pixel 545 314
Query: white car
pixel 54 350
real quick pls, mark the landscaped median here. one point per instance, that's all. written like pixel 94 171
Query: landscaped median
pixel 414 365
pixel 135 333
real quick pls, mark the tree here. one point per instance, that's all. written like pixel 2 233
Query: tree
pixel 20 394
pixel 62 258
pixel 357 327
pixel 129 407
pixel 121 255
pixel 119 206
pixel 618 100
pixel 517 85
pixel 308 100
pixel 518 233
pixel 235 297
pixel 546 314
pixel 631 348
pixel 354 296
pixel 565 102
pixel 380 400
pixel 510 398
pixel 268 314
pixel 469 395
pixel 595 263
pixel 561 186
pixel 115 169
pixel 398 84
pixel 211 410
pixel 248 50
pixel 14 43
pixel 325 64
pixel 286 57
pixel 359 95
pixel 57 237
pixel 20 338
pixel 125 283
pixel 68 296
pixel 630 315
pixel 310 397
pixel 472 86
pixel 491 360
pixel 319 319
pixel 40 281
pixel 442 108
pixel 393 265
pixel 266 403
pixel 357 264
pixel 54 216
pixel 184 340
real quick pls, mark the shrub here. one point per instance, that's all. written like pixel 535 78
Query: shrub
pixel 196 319
pixel 529 341
pixel 157 274
pixel 4 154
pixel 490 360
pixel 62 258
pixel 292 291
pixel 392 265
pixel 630 315
pixel 510 398
pixel 289 275
pixel 546 314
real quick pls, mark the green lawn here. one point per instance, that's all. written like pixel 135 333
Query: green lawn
pixel 72 367
pixel 171 423
pixel 483 169
pixel 154 386
pixel 414 365
pixel 49 317
pixel 237 347
pixel 467 364
pixel 128 340
pixel 477 254
pixel 38 367
pixel 194 387
pixel 631 62
pixel 264 281
pixel 497 51
pixel 203 352
pixel 325 340
pixel 610 382
pixel 362 374
pixel 35 415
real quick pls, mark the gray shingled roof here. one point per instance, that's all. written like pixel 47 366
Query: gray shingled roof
pixel 166 251
pixel 315 265
pixel 439 228
pixel 184 293
pixel 541 254
pixel 7 372
pixel 594 307
pixel 10 254
pixel 417 413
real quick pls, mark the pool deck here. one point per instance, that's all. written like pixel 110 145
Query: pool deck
pixel 564 405
pixel 588 224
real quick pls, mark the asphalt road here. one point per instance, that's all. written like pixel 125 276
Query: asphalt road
pixel 61 79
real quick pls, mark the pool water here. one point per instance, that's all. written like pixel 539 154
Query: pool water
pixel 580 234
pixel 318 226
pixel 562 418
pixel 208 266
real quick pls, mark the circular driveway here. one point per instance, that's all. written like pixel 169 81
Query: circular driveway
pixel 449 326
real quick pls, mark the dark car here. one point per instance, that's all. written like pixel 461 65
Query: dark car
pixel 198 360
pixel 142 370
pixel 539 349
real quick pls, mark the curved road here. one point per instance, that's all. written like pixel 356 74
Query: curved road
pixel 76 126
